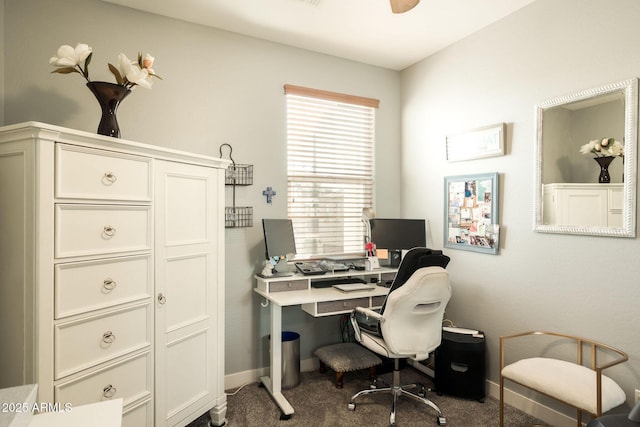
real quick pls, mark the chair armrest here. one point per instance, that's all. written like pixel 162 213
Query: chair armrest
pixel 354 322
pixel 369 313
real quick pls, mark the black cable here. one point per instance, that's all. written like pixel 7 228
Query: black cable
pixel 346 330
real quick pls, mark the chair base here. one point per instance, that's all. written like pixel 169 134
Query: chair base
pixel 400 390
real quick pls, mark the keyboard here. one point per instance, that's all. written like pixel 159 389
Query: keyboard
pixel 327 283
pixel 310 269
pixel 334 266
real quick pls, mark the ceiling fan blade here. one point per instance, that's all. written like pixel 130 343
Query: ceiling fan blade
pixel 402 6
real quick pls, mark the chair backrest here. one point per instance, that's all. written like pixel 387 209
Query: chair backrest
pixel 413 260
pixel 414 312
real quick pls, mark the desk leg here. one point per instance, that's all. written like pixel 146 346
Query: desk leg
pixel 274 383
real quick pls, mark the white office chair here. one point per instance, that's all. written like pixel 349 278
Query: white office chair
pixel 410 322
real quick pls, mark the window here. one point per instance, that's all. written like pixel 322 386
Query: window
pixel 330 161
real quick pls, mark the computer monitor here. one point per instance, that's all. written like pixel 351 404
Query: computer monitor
pixel 279 239
pixel 398 234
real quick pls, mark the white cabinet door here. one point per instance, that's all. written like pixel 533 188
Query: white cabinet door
pixel 583 208
pixel 189 265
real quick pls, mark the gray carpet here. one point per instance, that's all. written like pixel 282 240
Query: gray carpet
pixel 317 402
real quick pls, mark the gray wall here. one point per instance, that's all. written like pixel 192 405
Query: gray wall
pixel 218 87
pixel 221 87
pixel 574 284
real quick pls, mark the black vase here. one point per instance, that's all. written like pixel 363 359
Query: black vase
pixel 109 96
pixel 604 163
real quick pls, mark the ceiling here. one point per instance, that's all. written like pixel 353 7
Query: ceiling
pixel 360 30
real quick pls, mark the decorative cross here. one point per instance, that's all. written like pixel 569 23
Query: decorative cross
pixel 269 193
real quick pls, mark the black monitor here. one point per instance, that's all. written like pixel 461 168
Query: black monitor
pixel 279 239
pixel 398 234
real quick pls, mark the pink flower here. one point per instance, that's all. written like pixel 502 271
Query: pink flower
pixel 147 61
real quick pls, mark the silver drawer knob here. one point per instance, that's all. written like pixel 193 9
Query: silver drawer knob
pixel 109 391
pixel 108 337
pixel 109 231
pixel 109 284
pixel 109 178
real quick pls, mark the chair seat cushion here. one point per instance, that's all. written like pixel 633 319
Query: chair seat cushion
pixel 347 357
pixel 565 381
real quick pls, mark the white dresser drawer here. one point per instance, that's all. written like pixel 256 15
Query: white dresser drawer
pixel 83 343
pixel 85 173
pixel 99 229
pixel 86 286
pixel 130 380
pixel 139 415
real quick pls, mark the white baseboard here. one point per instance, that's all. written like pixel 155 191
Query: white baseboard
pixel 239 379
pixel 535 409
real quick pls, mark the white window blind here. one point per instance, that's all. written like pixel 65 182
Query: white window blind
pixel 330 160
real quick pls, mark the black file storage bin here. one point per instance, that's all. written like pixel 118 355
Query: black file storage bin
pixel 460 365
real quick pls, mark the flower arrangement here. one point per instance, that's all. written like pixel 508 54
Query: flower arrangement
pixel 605 147
pixel 127 74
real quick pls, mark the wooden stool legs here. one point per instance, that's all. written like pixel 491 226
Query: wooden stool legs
pixel 339 379
pixel 340 375
pixel 372 373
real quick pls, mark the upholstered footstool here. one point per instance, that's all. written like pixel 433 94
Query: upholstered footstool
pixel 347 357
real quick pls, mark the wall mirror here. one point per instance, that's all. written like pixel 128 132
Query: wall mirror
pixel 572 194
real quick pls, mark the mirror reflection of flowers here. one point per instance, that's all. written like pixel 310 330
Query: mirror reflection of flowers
pixel 605 147
pixel 127 73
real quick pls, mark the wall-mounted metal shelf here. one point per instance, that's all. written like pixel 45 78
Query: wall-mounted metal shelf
pixel 238 216
pixel 237 174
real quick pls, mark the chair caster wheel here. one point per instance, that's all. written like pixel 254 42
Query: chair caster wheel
pixel 442 421
pixel 285 417
pixel 351 406
pixel 422 393
pixel 392 419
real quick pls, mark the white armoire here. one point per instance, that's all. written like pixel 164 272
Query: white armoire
pixel 112 273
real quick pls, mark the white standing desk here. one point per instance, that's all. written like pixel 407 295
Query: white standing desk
pixel 318 302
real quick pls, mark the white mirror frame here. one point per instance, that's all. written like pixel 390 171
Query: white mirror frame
pixel 628 229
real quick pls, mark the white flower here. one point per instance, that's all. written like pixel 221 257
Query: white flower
pixel 128 73
pixel 603 147
pixel 588 147
pixel 69 56
pixel 616 149
pixel 72 60
pixel 132 73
